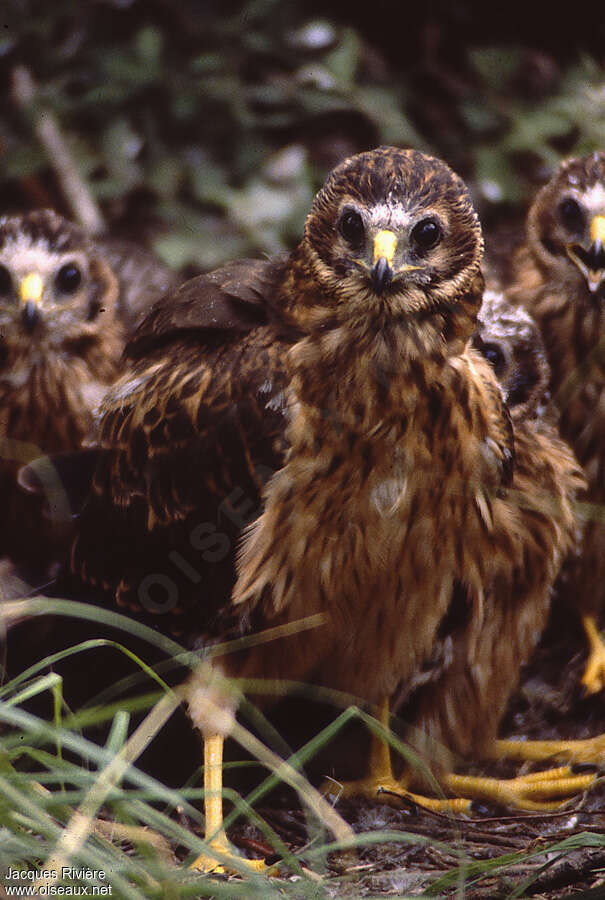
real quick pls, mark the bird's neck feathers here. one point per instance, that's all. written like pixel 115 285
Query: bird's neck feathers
pixel 365 352
pixel 542 279
pixel 51 405
pixel 52 357
pixel 572 320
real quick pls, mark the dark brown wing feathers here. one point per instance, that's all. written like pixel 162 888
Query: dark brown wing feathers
pixel 234 299
pixel 186 448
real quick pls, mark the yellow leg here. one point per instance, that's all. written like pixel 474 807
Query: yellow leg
pixel 213 807
pixel 537 791
pixel 590 750
pixel 380 778
pixel 531 792
pixel 594 673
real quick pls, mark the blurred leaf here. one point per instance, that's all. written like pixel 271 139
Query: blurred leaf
pixel 88 158
pixel 207 247
pixel 121 141
pixel 207 62
pixel 495 176
pixel 320 102
pixel 184 108
pixel 495 65
pixel 124 69
pixel 109 94
pixel 532 128
pixel 28 160
pixel 148 46
pixel 343 61
pixel 165 176
pixel 260 203
pixel 381 107
pixel 120 145
pixel 208 181
pixel 479 117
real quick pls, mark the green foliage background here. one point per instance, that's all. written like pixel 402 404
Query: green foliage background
pixel 204 128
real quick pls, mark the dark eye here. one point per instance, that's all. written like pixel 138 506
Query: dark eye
pixel 351 227
pixel 495 357
pixel 492 353
pixel 571 215
pixel 426 234
pixel 68 278
pixel 6 282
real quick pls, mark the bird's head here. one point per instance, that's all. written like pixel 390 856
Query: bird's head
pixel 393 236
pixel 52 285
pixel 566 226
pixel 509 338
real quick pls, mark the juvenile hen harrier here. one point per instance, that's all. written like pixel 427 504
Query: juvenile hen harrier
pixel 331 400
pixel 560 279
pixel 67 305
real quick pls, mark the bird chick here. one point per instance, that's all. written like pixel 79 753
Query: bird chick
pixel 560 280
pixel 65 313
pixel 329 406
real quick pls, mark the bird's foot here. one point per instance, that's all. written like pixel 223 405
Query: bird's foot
pixel 588 750
pixel 593 679
pixel 535 792
pixel 220 864
pixel 386 787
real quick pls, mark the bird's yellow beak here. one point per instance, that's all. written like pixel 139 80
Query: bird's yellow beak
pixel 385 244
pixel 591 262
pixel 597 230
pixel 31 288
pixel 30 294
